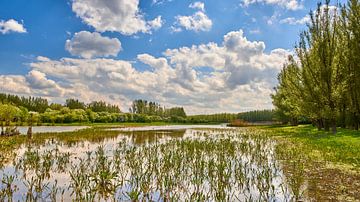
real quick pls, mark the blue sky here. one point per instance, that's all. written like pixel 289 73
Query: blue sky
pixel 147 33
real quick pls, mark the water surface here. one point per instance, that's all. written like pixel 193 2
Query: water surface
pixel 50 129
pixel 148 163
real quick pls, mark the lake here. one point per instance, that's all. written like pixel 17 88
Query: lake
pixel 206 163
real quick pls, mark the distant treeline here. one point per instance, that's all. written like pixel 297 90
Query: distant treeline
pixel 22 109
pixel 15 108
pixel 38 104
pixel 252 116
pixel 155 109
pixel 322 81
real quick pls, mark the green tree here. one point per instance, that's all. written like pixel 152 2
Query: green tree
pixel 74 104
pixel 350 41
pixel 8 114
pixel 319 53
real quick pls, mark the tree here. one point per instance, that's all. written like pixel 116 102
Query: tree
pixel 350 41
pixel 319 53
pixel 8 114
pixel 286 98
pixel 74 104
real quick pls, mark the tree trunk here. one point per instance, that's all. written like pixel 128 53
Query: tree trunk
pixel 326 125
pixel 333 125
pixel 343 117
pixel 356 122
pixel 319 124
pixel 294 122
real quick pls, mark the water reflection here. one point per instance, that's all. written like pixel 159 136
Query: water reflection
pixel 151 165
pixel 148 137
pixel 50 129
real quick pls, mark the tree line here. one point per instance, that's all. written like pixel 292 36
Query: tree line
pixel 155 109
pixel 16 110
pixel 251 116
pixel 321 82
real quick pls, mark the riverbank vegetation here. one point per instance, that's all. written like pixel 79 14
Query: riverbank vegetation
pixel 322 81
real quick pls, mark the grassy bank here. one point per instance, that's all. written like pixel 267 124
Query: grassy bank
pixel 342 148
pixel 328 164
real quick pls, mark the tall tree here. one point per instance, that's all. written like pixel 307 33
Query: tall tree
pixel 322 74
pixel 350 40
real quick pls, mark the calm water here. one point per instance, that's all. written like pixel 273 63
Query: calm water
pixel 151 163
pixel 50 129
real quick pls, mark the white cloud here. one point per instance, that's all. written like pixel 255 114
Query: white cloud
pixel 198 5
pixel 333 11
pixel 11 26
pixel 156 23
pixel 121 16
pixel 197 22
pixel 90 45
pixel 288 4
pixel 175 29
pixel 294 21
pixel 38 80
pixel 239 60
pixel 14 84
pixel 158 2
pixel 41 85
pixel 241 77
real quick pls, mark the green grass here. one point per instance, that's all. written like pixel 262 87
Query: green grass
pixel 342 148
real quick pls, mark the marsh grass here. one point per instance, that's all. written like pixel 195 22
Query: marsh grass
pixel 203 165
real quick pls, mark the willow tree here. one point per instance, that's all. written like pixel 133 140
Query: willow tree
pixel 322 71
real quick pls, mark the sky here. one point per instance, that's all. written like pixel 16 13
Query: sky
pixel 208 56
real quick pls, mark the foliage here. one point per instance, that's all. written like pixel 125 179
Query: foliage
pixel 31 103
pixel 155 109
pixel 101 106
pixel 251 116
pixel 257 116
pixel 323 83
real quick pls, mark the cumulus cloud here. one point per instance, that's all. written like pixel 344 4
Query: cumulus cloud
pixel 197 22
pixel 241 77
pixel 288 4
pixel 34 83
pixel 11 26
pixel 90 45
pixel 241 61
pixel 122 16
pixel 38 80
pixel 14 84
